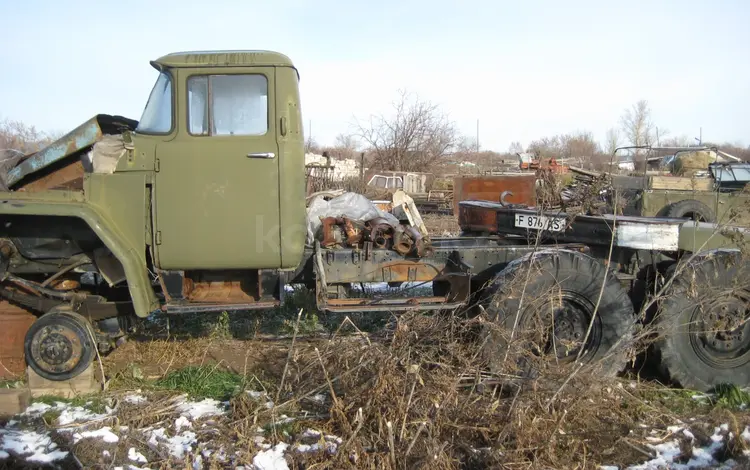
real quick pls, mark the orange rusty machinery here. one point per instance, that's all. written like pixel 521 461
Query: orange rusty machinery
pixel 544 164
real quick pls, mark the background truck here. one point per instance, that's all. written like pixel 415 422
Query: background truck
pixel 200 207
pixel 700 183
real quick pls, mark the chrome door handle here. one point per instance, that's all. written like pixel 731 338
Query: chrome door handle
pixel 261 155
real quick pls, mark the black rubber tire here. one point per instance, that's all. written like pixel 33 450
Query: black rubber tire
pixel 691 209
pixel 577 278
pixel 682 341
pixel 78 337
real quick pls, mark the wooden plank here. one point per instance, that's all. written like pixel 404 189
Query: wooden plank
pixel 678 183
pixel 83 384
pixel 13 401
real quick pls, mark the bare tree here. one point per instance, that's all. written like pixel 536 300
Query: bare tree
pixel 638 128
pixel 546 147
pixel 677 141
pixel 581 145
pixel 417 135
pixel 637 125
pixel 347 141
pixel 515 147
pixel 612 140
pixel 17 140
pixel 311 145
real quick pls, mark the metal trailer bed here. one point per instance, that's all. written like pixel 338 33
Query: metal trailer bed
pixel 493 236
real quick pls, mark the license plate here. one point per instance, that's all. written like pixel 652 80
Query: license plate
pixel 541 222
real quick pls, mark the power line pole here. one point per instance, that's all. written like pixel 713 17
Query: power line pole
pixel 477 136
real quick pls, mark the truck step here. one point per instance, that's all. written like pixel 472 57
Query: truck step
pixel 390 305
pixel 180 308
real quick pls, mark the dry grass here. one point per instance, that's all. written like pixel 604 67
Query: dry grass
pixel 415 395
pixel 439 225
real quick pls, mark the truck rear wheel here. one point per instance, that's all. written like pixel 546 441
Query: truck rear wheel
pixel 58 346
pixel 545 325
pixel 704 322
pixel 691 209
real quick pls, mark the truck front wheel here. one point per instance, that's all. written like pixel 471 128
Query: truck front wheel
pixel 546 314
pixel 703 322
pixel 58 346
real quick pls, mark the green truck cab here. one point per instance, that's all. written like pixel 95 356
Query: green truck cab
pixel 188 206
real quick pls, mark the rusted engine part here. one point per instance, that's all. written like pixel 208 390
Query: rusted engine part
pixel 422 247
pixel 341 231
pixel 379 232
pixel 404 239
pixel 401 242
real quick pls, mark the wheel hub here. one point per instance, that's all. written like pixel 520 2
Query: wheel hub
pixel 570 324
pixel 563 323
pixel 721 333
pixel 56 348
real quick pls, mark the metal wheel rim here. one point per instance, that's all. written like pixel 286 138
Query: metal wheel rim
pixel 56 349
pixel 715 355
pixel 572 316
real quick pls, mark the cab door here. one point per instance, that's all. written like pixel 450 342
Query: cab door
pixel 217 181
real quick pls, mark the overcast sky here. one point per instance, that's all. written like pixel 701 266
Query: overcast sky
pixel 524 69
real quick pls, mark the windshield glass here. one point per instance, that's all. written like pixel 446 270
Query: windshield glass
pixel 157 116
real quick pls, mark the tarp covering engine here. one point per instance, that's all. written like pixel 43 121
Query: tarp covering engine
pixel 352 220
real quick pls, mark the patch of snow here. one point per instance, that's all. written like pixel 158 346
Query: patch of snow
pixel 330 442
pixel 4 455
pixel 177 445
pixel 106 453
pixel 31 445
pixel 76 414
pixel 256 395
pixel 135 398
pixel 702 457
pixel 271 459
pixel 36 409
pixel 104 433
pixel 318 398
pixel 198 409
pixel 608 467
pixel 665 454
pixel 182 422
pixel 136 456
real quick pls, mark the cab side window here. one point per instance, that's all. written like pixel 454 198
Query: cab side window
pixel 228 105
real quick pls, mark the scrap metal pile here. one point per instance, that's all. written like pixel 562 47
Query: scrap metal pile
pixel 350 220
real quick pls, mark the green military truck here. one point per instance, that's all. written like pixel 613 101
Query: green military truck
pixel 698 186
pixel 200 207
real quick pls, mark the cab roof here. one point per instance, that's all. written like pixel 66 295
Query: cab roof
pixel 222 59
